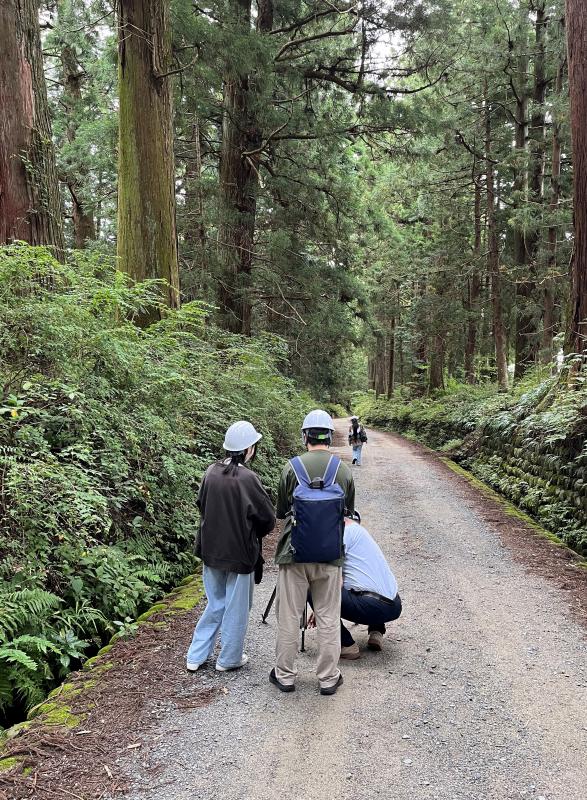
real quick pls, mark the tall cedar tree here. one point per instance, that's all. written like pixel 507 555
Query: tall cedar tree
pixel 576 24
pixel 73 75
pixel 147 239
pixel 237 189
pixel 29 191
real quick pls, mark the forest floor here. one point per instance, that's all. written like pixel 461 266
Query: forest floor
pixel 480 691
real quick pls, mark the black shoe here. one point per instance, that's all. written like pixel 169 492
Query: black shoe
pixel 354 460
pixel 283 687
pixel 332 689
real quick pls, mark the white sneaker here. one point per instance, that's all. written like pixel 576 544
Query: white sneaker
pixel 244 660
pixel 192 666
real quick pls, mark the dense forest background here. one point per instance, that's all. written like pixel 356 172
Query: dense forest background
pixel 225 209
pixel 384 180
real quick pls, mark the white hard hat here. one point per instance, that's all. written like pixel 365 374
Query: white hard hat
pixel 240 436
pixel 354 417
pixel 318 419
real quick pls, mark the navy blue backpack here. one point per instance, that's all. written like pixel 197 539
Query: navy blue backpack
pixel 317 515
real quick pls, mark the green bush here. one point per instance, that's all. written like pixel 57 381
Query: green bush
pixel 336 410
pixel 105 431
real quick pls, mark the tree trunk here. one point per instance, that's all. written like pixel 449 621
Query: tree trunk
pixel 147 239
pixel 265 12
pixel 436 369
pixel 520 195
pixel 548 320
pixel 391 360
pixel 195 231
pixel 527 335
pixel 30 207
pixel 576 25
pixel 371 372
pixel 238 181
pixel 83 219
pixel 493 260
pixel 474 290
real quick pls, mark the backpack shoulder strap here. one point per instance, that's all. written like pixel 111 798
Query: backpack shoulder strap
pixel 300 471
pixel 331 471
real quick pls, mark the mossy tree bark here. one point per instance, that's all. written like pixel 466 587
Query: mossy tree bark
pixel 527 333
pixel 493 258
pixel 391 360
pixel 239 176
pixel 147 238
pixel 474 287
pixel 238 196
pixel 576 25
pixel 548 319
pixel 30 207
pixel 84 229
pixel 524 284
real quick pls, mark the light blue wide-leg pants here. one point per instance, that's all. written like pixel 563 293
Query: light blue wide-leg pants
pixel 230 597
pixel 357 449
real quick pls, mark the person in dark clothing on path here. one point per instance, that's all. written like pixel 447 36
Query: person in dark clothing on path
pixel 236 513
pixel 357 438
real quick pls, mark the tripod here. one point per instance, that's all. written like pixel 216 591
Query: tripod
pixel 303 620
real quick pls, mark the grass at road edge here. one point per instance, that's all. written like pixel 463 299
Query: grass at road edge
pixel 510 509
pixel 56 712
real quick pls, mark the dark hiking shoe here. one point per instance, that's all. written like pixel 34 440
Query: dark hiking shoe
pixel 332 689
pixel 283 687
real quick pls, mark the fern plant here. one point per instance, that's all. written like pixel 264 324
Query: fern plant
pixel 105 432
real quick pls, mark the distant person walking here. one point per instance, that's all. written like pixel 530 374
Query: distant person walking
pixel 236 513
pixel 357 438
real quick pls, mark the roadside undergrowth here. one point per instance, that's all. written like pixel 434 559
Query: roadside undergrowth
pixel 529 446
pixel 69 706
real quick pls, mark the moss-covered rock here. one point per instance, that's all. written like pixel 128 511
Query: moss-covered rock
pixel 55 713
pixel 158 607
pixel 10 763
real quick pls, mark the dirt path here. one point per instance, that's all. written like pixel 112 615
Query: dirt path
pixel 479 693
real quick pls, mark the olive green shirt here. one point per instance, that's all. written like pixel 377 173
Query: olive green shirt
pixel 315 462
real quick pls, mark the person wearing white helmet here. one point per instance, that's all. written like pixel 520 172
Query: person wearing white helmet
pixel 323 579
pixel 235 513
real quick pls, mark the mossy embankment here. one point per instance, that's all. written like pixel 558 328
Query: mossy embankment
pixel 528 446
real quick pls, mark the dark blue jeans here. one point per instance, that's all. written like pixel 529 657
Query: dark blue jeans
pixel 365 610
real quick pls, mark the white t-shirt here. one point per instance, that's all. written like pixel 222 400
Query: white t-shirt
pixel 365 567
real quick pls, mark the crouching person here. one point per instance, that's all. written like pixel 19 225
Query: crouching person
pixel 369 592
pixel 235 513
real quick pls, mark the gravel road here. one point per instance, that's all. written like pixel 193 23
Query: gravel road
pixel 480 691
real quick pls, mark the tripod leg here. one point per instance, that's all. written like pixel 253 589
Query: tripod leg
pixel 303 626
pixel 269 605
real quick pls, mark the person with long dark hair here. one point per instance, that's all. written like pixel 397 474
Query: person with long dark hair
pixel 236 512
pixel 357 438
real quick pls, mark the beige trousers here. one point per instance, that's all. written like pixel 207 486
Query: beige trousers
pixel 324 582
